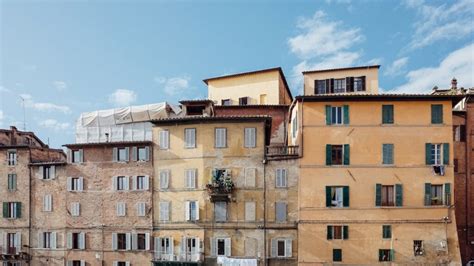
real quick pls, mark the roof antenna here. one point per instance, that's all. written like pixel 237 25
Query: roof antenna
pixel 24 112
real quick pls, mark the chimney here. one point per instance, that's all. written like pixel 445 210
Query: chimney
pixel 454 84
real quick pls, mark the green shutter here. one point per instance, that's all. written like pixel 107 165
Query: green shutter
pixel 345 110
pixel 427 194
pixel 378 194
pixel 436 113
pixel 428 154
pixel 392 255
pixel 387 231
pixel 329 236
pixel 328 154
pixel 387 153
pixel 387 114
pixel 337 254
pixel 447 194
pixel 5 210
pixel 380 254
pixel 345 232
pixel 346 154
pixel 18 210
pixel 328 114
pixel 446 153
pixel 398 195
pixel 345 196
pixel 328 197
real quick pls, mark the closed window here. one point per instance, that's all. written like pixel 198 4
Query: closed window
pixel 191 245
pixel 142 153
pixel 387 154
pixel 281 212
pixel 122 154
pixel 76 156
pixel 250 137
pixel 164 211
pixel 320 86
pixel 12 210
pixel 281 180
pixel 190 138
pixel 359 84
pixel 388 195
pixel 141 209
pixel 190 178
pixel 75 209
pixel 339 85
pixel 47 203
pixel 220 137
pixel 250 211
pixel 142 182
pixel 11 158
pixel 387 114
pixel 436 194
pixel 336 115
pixel 386 231
pixel 192 211
pixel 47 240
pixel 75 183
pixel 436 113
pixel 337 232
pixel 164 140
pixel 164 179
pixel 220 211
pixel 121 209
pixel 12 182
pixel 165 245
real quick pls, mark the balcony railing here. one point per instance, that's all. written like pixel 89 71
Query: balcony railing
pixel 221 186
pixel 281 151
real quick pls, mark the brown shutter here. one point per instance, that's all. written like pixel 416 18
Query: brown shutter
pixel 331 81
pixel 363 83
pixel 315 86
pixel 328 86
pixel 349 84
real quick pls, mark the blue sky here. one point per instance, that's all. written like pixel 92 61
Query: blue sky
pixel 64 58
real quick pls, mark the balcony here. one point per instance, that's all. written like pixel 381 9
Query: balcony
pixel 221 186
pixel 277 152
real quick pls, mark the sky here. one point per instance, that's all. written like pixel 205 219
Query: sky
pixel 61 58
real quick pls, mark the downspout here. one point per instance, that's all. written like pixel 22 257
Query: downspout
pixel 265 212
pixel 468 174
pixel 29 206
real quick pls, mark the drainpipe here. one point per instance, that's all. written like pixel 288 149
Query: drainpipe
pixel 265 211
pixel 467 129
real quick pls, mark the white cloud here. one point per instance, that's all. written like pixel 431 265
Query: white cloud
pixel 318 49
pixel 375 61
pixel 122 97
pixel 449 21
pixel 1 117
pixel 397 67
pixel 3 89
pixel 173 85
pixel 60 85
pixel 46 107
pixel 459 64
pixel 54 124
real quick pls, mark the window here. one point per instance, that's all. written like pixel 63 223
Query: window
pixel 387 114
pixel 436 114
pixel 436 194
pixel 141 182
pixel 141 209
pixel 164 211
pixel 388 196
pixel 76 240
pixel 456 165
pixel 165 245
pixel 294 125
pixel 221 246
pixel 12 210
pixel 336 255
pixel 121 154
pixel 121 209
pixel 164 140
pixel 320 87
pixel 190 178
pixel 192 211
pixel 263 98
pixel 436 154
pixel 220 211
pixel 250 211
pixel 47 203
pixel 141 241
pixel 75 183
pixel 387 154
pixel 359 84
pixel 47 240
pixel 337 232
pixel 281 179
pixel 385 254
pixel 191 245
pixel 250 137
pixel 13 242
pixel 459 133
pixel 339 85
pixel 195 110
pixel 76 156
pixel 122 240
pixel 143 154
pixel 220 137
pixel 281 247
pixel 250 177
pixel 190 138
pixel 337 197
pixel 75 209
pixel 76 263
pixel 336 115
pixel 226 102
pixel 418 247
pixel 11 157
pixel 280 211
pixel 164 179
pixel 120 183
pixel 337 154
pixel 12 182
pixel 243 100
pixel 121 263
pixel 386 231
pixel 46 172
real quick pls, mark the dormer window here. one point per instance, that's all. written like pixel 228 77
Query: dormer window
pixel 243 100
pixel 195 110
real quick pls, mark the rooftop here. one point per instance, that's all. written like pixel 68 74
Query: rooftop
pixel 338 69
pixel 376 97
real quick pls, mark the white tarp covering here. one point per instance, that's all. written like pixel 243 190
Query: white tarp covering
pixel 236 262
pixel 122 124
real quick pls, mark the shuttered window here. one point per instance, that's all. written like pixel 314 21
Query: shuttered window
pixel 387 154
pixel 389 195
pixel 164 211
pixel 76 240
pixel 141 209
pixel 75 209
pixel 191 210
pixel 75 184
pixel 250 137
pixel 220 138
pixel 337 232
pixel 337 154
pixel 337 196
pixel 386 255
pixel 436 114
pixel 220 211
pixel 336 255
pixel 190 138
pixel 141 182
pixel 164 140
pixel 250 211
pixel 12 210
pixel 47 203
pixel 387 114
pixel 281 248
pixel 12 180
pixel 280 211
pixel 121 154
pixel 386 231
pixel 337 115
pixel 164 179
pixel 281 180
pixel 76 156
pixel 221 246
pixel 437 194
pixel 190 178
pixel 121 209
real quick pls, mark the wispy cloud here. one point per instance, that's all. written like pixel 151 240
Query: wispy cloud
pixel 459 64
pixel 60 85
pixel 122 97
pixel 448 21
pixel 317 47
pixel 54 124
pixel 174 85
pixel 1 117
pixel 43 106
pixel 3 89
pixel 397 67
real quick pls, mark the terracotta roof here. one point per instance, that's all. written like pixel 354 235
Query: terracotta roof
pixel 372 97
pixel 198 118
pixel 110 143
pixel 343 68
pixel 196 101
pixel 252 106
pixel 256 72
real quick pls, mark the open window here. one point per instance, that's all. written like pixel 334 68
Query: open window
pixel 418 248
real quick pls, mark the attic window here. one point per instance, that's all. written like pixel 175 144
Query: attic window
pixel 195 110
pixel 243 100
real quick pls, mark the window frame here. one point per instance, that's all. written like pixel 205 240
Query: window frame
pixel 337 115
pixel 388 200
pixel 76 156
pixel 143 149
pixel 333 150
pixel 140 182
pixel 12 157
pixel 334 190
pixel 193 144
pixel 223 206
pixel 224 144
pixel 253 142
pixel 321 89
pixel 340 85
pixel 226 102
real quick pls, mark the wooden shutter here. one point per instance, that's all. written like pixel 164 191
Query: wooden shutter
pixel 147 153
pixel 274 248
pixel 213 246
pixel 134 241
pixel 398 195
pixel 157 247
pixel 446 153
pixel 428 159
pixel 114 154
pixel 187 209
pixel 316 86
pixel 288 248
pixel 69 184
pixel 363 83
pixel 345 232
pixel 52 172
pixel 329 232
pixel 378 195
pixel 427 194
pixel 228 246
pixel 250 211
pixel 328 115
pixel 331 85
pixel 345 196
pixel 114 241
pixel 346 154
pixel 164 210
pixel 82 240
pixel 328 154
pixel 40 240
pixel 436 114
pixel 128 242
pixel 53 240
pixel 81 155
pixel 349 84
pixel 164 179
pixel 18 210
pixel 280 211
pixel 126 183
pixel 328 196
pixel 18 242
pixel 134 182
pixel 345 109
pixel 146 182
pixel 127 154
pixel 81 184
pixel 328 86
pixel 134 154
pixel 197 210
pixel 250 174
pixel 447 194
pixel 164 139
pixel 69 240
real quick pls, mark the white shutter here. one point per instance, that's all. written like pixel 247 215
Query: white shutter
pixel 146 183
pixel 171 245
pixel 53 240
pixel 115 263
pixel 127 263
pixel 128 236
pixel 284 175
pixel 18 242
pixel 147 241
pixel 197 210
pixel 114 241
pixel 81 183
pixel 114 183
pixel 69 184
pixel 119 210
pixel 164 139
pixel 164 211
pixel 52 172
pixel 69 263
pixel 69 240
pixel 157 246
pixel 134 154
pixel 186 207
pixel 134 241
pixel 250 211
pixel 274 248
pixel 141 207
pixel 250 177
pixel 213 242
pixel 3 243
pixel 164 179
pixel 134 183
pixel 82 240
pixel 249 137
pixel 114 154
pixel 288 248
pixel 83 263
pixel 41 172
pixel 126 183
pixel 228 247
pixel 147 153
pixel 127 154
pixel 40 240
pixel 278 178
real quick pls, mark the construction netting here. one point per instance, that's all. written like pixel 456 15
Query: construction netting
pixel 122 124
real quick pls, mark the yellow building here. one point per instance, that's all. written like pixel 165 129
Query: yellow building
pixel 376 177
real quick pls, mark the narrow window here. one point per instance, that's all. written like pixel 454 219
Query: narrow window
pixel 436 113
pixel 386 231
pixel 387 154
pixel 385 255
pixel 121 241
pixel 359 84
pixel 436 154
pixel 121 183
pixel 122 154
pixel 142 153
pixel 336 255
pixel 388 196
pixel 12 182
pixel 190 138
pixel 11 158
pixel 281 178
pixel 436 194
pixel 220 211
pixel 337 195
pixel 321 86
pixel 76 156
pixel 164 140
pixel 141 180
pixel 387 114
pixel 250 137
pixel 220 247
pixel 336 154
pixel 165 245
pixel 336 115
pixel 418 247
pixel 280 248
pixel 220 137
pixel 46 172
pixel 281 211
pixel 141 241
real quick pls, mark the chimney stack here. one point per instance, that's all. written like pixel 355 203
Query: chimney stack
pixel 454 84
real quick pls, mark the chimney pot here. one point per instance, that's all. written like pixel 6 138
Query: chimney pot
pixel 454 83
